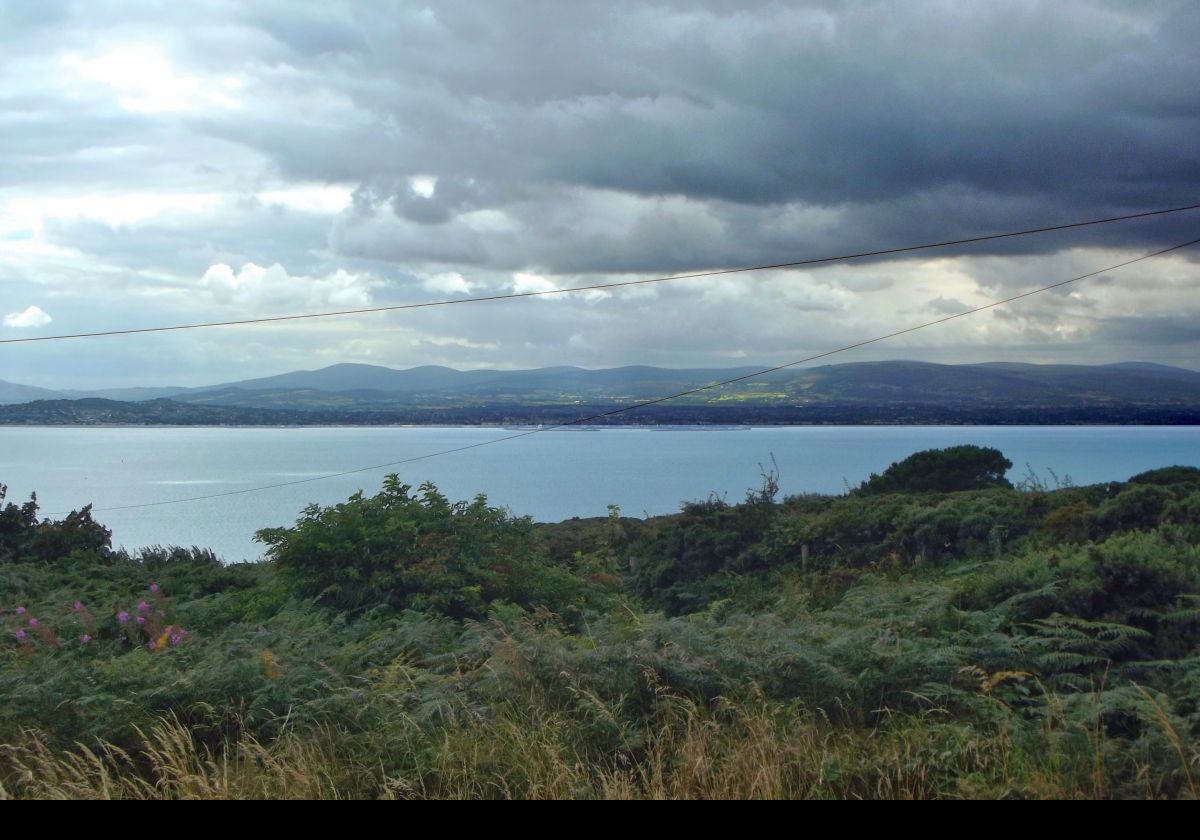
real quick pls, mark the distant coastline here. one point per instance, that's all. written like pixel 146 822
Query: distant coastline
pixel 659 427
pixel 896 393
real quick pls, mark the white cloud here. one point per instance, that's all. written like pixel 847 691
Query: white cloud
pixel 33 316
pixel 256 287
pixel 446 282
pixel 524 283
pixel 423 185
pixel 144 81
pixel 112 208
pixel 451 341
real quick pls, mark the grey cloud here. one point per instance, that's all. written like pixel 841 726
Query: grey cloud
pixel 190 244
pixel 600 140
pixel 392 239
pixel 866 283
pixel 913 126
pixel 948 306
pixel 453 195
pixel 862 108
pixel 1150 331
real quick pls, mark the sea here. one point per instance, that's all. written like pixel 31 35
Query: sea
pixel 149 484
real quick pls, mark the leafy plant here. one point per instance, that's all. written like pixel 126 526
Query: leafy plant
pixel 944 471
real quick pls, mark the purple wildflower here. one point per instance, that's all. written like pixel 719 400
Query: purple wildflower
pixel 33 622
pixel 154 587
pixel 141 619
pixel 84 639
pixel 122 617
pixel 20 611
pixel 78 605
pixel 20 634
pixel 143 607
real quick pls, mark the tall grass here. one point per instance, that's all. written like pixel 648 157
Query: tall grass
pixel 169 764
pixel 753 749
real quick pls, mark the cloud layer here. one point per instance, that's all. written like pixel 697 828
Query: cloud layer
pixel 172 165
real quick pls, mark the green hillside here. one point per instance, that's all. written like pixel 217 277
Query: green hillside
pixel 373 388
pixel 936 633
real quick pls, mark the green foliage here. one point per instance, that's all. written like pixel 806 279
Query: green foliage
pixel 1185 513
pixel 985 642
pixel 899 529
pixel 943 471
pixel 1188 476
pixel 420 551
pixel 1069 523
pixel 23 538
pixel 1140 506
pixel 694 560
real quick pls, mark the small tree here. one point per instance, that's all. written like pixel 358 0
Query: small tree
pixel 25 538
pixel 419 550
pixel 943 471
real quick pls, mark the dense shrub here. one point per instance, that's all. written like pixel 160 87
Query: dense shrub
pixel 1140 506
pixel 1185 513
pixel 1070 523
pixel 420 551
pixel 944 471
pixel 690 562
pixel 1187 476
pixel 899 529
pixel 25 538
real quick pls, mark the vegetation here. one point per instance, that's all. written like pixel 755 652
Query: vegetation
pixel 727 409
pixel 943 471
pixel 934 633
pixel 859 393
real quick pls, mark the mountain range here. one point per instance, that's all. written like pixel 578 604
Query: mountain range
pixel 350 388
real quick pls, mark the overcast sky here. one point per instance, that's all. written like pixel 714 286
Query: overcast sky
pixel 167 162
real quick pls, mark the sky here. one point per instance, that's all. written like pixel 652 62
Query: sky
pixel 173 162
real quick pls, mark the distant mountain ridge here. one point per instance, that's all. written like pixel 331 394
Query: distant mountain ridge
pixel 11 392
pixel 351 387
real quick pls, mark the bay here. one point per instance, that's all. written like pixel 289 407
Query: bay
pixel 550 476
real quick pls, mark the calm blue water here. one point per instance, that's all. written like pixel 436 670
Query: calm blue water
pixel 549 476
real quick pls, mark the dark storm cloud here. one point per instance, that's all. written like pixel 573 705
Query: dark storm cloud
pixel 948 119
pixel 943 121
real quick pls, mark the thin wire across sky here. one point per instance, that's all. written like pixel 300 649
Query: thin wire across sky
pixel 637 406
pixel 907 249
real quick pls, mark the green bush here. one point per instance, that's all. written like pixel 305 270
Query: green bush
pixel 1140 506
pixel 943 471
pixel 691 560
pixel 898 529
pixel 420 551
pixel 1188 476
pixel 1070 523
pixel 23 538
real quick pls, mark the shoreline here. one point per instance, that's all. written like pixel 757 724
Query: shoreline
pixel 682 427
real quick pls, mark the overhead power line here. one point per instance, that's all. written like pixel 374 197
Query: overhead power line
pixel 636 406
pixel 604 286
